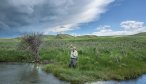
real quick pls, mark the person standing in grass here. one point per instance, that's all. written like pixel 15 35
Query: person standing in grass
pixel 73 57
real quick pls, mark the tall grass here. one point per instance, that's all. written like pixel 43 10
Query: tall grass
pixel 10 53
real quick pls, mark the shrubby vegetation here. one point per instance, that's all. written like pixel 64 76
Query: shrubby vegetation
pixel 31 42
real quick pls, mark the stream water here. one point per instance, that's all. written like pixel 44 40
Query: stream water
pixel 23 73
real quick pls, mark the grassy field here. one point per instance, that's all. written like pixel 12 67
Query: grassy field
pixel 10 53
pixel 100 58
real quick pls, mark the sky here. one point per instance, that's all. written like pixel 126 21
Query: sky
pixel 75 17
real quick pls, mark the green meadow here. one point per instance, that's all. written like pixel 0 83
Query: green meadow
pixel 100 58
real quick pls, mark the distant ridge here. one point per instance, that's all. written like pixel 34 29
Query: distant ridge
pixel 67 36
pixel 88 36
pixel 140 34
pixel 63 36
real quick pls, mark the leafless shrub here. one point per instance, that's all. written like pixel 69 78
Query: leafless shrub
pixel 31 42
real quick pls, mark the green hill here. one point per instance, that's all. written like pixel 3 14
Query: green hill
pixel 87 36
pixel 47 37
pixel 140 34
pixel 64 36
pixel 67 36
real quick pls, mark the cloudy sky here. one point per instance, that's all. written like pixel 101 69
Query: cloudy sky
pixel 76 17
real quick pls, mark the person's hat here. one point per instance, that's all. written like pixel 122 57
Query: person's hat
pixel 74 47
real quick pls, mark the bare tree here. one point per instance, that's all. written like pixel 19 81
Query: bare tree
pixel 32 43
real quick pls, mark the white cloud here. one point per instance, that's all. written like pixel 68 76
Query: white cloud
pixel 61 28
pixel 49 15
pixel 90 11
pixel 132 25
pixel 128 28
pixel 104 28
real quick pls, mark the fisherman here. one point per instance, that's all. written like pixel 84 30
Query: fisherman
pixel 73 57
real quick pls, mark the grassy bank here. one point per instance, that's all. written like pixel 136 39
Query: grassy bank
pixel 103 58
pixel 100 58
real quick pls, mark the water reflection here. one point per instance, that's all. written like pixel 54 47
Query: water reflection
pixel 30 74
pixel 140 80
pixel 11 73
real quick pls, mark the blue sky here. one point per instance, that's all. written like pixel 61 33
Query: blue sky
pixel 76 17
pixel 117 12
